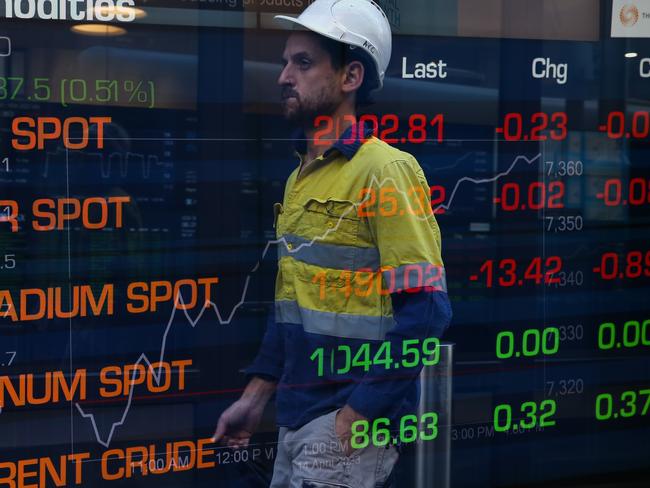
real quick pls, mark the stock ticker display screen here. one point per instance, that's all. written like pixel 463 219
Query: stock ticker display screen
pixel 144 153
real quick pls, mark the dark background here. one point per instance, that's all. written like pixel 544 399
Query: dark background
pixel 205 164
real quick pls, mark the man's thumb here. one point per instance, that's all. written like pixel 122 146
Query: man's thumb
pixel 221 430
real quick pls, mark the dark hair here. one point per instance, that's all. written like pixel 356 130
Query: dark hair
pixel 342 54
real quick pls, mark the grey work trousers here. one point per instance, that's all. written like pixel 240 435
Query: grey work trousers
pixel 312 457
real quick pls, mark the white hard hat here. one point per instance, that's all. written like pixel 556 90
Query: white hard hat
pixel 358 23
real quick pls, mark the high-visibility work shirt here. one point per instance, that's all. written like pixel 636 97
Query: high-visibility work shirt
pixel 360 285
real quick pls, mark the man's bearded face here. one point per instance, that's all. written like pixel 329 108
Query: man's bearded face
pixel 310 84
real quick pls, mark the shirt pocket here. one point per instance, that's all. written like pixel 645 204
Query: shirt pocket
pixel 333 221
pixel 328 229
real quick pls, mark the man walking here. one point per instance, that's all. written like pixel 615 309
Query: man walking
pixel 360 284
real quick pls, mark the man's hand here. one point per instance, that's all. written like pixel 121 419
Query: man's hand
pixel 240 421
pixel 343 427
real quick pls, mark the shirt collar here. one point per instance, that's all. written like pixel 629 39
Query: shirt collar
pixel 348 144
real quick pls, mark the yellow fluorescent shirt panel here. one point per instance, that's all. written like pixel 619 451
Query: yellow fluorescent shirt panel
pixel 351 232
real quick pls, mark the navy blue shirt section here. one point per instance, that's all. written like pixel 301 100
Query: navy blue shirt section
pixel 302 395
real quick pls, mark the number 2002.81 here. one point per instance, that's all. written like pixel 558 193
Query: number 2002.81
pixel 384 128
pixel 410 430
pixel 413 354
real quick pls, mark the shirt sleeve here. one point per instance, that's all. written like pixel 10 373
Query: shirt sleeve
pixel 409 242
pixel 418 317
pixel 269 362
pixel 405 229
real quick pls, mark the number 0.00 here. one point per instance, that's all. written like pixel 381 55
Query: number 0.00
pixel 634 334
pixel 532 341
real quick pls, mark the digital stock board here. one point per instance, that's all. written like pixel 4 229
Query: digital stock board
pixel 144 154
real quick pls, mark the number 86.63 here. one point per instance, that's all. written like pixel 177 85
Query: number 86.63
pixel 379 432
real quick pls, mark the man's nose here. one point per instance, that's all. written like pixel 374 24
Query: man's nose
pixel 285 76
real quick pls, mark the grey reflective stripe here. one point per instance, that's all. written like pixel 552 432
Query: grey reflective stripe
pixel 415 276
pixel 328 255
pixel 343 325
pixel 287 312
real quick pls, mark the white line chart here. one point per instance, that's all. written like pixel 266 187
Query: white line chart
pixel 226 321
pixel 480 181
pixel 144 359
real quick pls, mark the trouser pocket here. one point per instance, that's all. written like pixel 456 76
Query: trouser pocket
pixel 322 484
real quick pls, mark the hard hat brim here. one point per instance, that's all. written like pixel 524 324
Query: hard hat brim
pixel 289 21
pixel 296 22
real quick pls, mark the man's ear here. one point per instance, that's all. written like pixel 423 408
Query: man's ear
pixel 354 74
